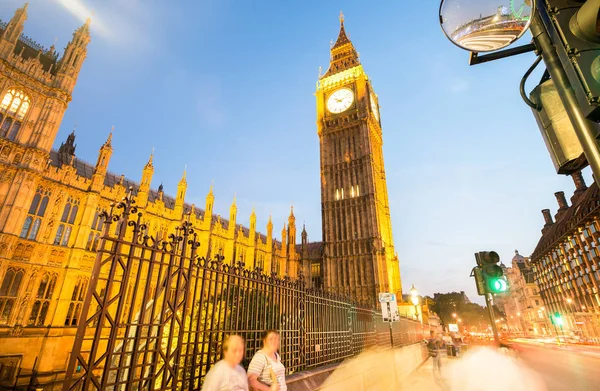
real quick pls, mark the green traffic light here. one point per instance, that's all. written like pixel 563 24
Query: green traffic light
pixel 497 285
pixel 558 319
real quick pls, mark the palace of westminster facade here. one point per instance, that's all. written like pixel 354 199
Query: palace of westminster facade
pixel 50 201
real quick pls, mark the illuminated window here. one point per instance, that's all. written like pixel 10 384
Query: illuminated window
pixel 77 298
pixel 15 104
pixel 352 191
pixel 35 214
pixel 8 292
pixel 94 238
pixel 67 220
pixel 42 300
pixel 357 191
pixel 337 194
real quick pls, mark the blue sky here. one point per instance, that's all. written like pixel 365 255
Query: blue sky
pixel 226 88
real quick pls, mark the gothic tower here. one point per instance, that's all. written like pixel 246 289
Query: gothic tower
pixel 35 90
pixel 359 257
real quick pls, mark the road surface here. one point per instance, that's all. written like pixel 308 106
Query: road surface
pixel 565 368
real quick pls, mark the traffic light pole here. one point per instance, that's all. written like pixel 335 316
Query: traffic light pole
pixel 391 328
pixel 581 125
pixel 488 302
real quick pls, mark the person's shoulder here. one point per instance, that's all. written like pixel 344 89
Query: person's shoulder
pixel 259 353
pixel 258 361
pixel 219 365
pixel 239 368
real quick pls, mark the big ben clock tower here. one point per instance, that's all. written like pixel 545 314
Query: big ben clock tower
pixel 358 257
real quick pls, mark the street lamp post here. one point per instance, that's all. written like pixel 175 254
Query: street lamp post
pixel 414 297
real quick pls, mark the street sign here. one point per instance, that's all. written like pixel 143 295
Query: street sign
pixel 387 297
pixel 453 327
pixel 389 307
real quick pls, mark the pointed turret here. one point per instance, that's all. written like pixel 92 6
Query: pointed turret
pixel 73 57
pixel 284 241
pixel 291 240
pixel 181 190
pixel 66 151
pixel 161 192
pixel 232 214
pixel 210 202
pixel 270 232
pixel 304 235
pixel 102 164
pixel 253 222
pixel 343 54
pixel 144 190
pixel 14 28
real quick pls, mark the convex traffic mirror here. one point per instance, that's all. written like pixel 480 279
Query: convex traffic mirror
pixel 485 25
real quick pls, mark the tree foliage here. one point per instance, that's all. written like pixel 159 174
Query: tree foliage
pixel 473 316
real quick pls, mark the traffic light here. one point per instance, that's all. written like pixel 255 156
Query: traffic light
pixel 493 275
pixel 476 272
pixel 556 319
pixel 574 29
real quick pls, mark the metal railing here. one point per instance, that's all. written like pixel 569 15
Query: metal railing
pixel 156 313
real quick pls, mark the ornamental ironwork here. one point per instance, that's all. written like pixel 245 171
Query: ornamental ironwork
pixel 156 313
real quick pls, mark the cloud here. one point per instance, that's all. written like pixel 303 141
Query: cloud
pixel 127 25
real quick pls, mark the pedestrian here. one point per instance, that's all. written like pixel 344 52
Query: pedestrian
pixel 266 372
pixel 435 346
pixel 227 374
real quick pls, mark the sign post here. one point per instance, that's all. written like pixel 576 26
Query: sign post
pixel 389 311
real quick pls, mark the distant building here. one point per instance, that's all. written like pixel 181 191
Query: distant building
pixel 456 297
pixel 523 304
pixel 566 260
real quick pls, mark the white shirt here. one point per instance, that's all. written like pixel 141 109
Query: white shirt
pixel 263 367
pixel 222 377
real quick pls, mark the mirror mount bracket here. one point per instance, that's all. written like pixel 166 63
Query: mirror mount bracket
pixel 475 58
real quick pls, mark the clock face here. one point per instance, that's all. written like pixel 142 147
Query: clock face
pixel 374 107
pixel 340 100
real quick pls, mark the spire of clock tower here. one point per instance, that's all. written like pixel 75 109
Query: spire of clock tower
pixel 358 249
pixel 343 54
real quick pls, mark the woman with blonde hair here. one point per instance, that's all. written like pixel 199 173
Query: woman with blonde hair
pixel 227 374
pixel 266 371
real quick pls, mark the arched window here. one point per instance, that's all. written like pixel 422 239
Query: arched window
pixel 77 298
pixel 67 220
pixel 42 300
pixel 8 292
pixel 94 238
pixel 35 214
pixel 15 105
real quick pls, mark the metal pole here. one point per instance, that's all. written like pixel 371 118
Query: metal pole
pixel 488 302
pixel 581 125
pixel 556 331
pixel 391 333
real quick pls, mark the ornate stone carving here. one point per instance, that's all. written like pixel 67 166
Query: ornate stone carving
pixel 32 278
pixel 22 308
pixel 16 331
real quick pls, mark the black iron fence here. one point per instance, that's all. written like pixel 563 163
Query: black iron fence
pixel 156 313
